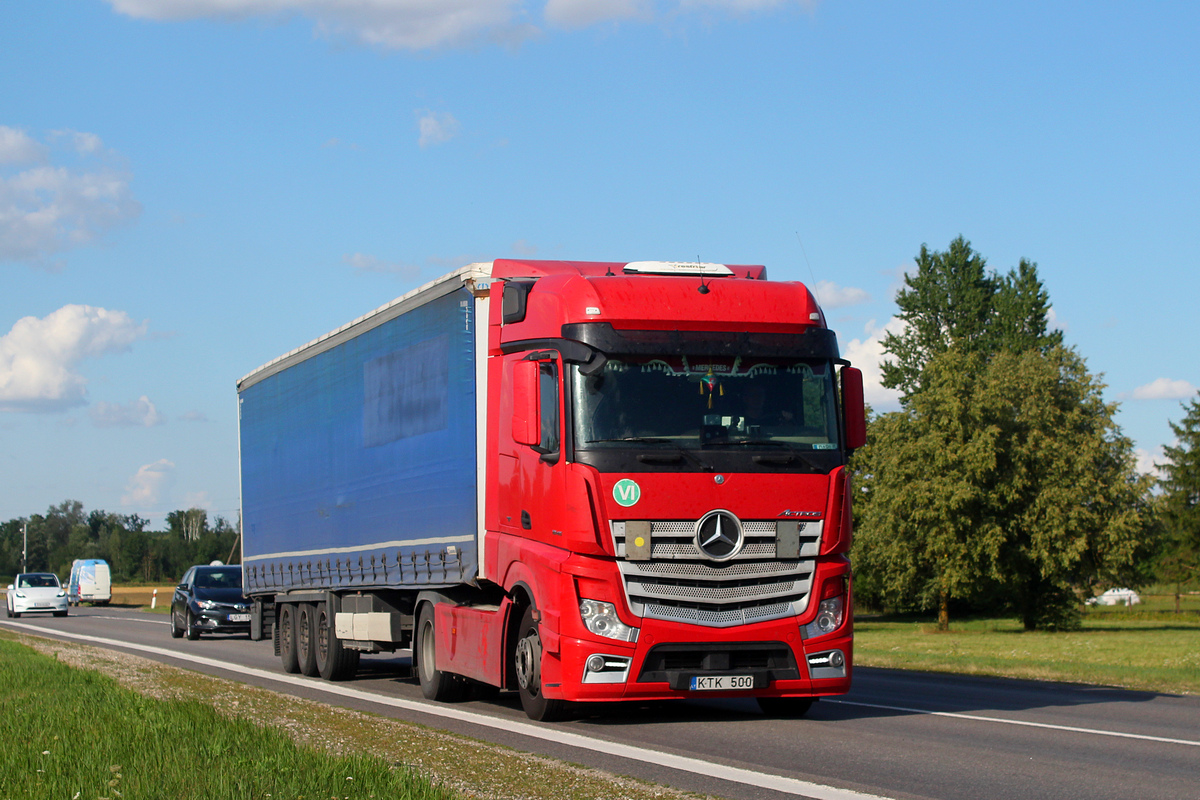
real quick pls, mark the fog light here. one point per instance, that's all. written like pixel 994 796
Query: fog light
pixel 595 663
pixel 836 659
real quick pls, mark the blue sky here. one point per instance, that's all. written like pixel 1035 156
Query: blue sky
pixel 190 188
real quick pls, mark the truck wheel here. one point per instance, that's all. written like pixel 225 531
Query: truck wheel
pixel 528 663
pixel 193 630
pixel 334 662
pixel 287 638
pixel 176 631
pixel 785 707
pixel 443 687
pixel 306 639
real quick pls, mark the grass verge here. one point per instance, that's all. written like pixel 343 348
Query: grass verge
pixel 69 740
pixel 76 733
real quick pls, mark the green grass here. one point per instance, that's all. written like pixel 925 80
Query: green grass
pixel 74 733
pixel 1143 647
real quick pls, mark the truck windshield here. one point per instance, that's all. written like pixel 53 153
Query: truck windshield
pixel 706 402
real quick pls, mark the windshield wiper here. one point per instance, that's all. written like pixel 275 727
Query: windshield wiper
pixel 638 439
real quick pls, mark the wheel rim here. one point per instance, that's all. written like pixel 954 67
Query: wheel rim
pixel 304 641
pixel 427 645
pixel 322 636
pixel 529 660
pixel 285 629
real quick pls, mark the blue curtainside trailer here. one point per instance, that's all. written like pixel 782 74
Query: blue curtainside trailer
pixel 359 452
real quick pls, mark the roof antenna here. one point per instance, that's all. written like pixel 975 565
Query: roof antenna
pixel 703 288
pixel 810 269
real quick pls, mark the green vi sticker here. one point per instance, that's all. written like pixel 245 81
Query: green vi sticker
pixel 626 492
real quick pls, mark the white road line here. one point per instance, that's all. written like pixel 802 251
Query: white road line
pixel 131 619
pixel 695 766
pixel 978 718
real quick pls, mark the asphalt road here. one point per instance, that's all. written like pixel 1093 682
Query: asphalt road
pixel 896 735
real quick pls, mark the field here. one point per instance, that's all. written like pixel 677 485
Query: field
pixel 1147 647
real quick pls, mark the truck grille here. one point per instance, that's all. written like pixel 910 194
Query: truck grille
pixel 678 582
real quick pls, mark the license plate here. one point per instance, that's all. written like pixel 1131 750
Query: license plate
pixel 239 617
pixel 716 683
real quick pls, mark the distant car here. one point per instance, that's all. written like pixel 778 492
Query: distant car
pixel 209 599
pixel 36 592
pixel 1116 597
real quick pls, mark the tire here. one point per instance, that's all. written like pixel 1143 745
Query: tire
pixel 62 613
pixel 527 664
pixel 193 630
pixel 442 687
pixel 334 662
pixel 785 707
pixel 287 638
pixel 176 631
pixel 306 639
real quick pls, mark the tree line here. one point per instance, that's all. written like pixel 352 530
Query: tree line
pixel 64 533
pixel 1003 485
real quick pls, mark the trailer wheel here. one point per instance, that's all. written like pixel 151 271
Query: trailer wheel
pixel 527 659
pixel 785 707
pixel 306 639
pixel 287 638
pixel 334 662
pixel 443 687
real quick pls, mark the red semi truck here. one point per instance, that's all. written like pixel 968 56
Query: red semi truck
pixel 585 482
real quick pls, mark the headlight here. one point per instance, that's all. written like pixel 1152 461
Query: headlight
pixel 601 619
pixel 207 605
pixel 19 594
pixel 61 593
pixel 829 617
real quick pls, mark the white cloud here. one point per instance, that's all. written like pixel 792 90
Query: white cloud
pixel 364 263
pixel 582 13
pixel 45 209
pixel 867 354
pixel 17 147
pixel 148 486
pixel 436 127
pixel 194 416
pixel 139 413
pixel 39 358
pixel 425 24
pixel 400 24
pixel 1164 389
pixel 830 295
pixel 1147 462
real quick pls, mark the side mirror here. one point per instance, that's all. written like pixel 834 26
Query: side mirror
pixel 854 413
pixel 526 422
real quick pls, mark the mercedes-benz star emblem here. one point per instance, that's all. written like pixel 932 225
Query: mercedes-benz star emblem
pixel 719 535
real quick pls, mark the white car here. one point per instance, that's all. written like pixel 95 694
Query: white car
pixel 1116 597
pixel 35 592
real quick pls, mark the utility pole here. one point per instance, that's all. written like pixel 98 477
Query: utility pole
pixel 24 543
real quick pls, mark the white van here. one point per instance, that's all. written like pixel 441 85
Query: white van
pixel 91 582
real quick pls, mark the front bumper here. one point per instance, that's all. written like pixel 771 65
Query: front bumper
pixel 219 620
pixel 30 605
pixel 769 660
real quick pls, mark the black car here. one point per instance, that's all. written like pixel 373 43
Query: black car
pixel 209 599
